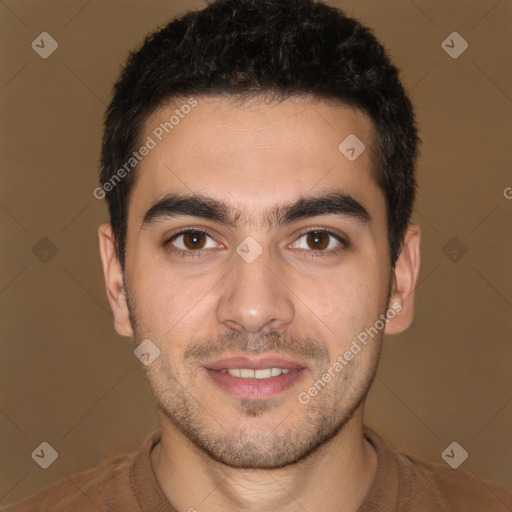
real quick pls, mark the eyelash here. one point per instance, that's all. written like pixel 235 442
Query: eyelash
pixel 309 253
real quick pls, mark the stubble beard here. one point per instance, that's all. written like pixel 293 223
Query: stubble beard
pixel 321 420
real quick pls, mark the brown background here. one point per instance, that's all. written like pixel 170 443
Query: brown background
pixel 68 379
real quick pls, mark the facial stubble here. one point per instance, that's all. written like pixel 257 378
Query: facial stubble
pixel 259 444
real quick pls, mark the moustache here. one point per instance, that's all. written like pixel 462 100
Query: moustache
pixel 274 341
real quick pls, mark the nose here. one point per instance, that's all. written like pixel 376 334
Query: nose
pixel 254 298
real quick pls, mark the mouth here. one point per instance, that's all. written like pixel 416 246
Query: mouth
pixel 254 378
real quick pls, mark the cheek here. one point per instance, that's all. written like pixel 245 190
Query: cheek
pixel 348 301
pixel 170 304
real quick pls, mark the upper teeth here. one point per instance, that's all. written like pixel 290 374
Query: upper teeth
pixel 246 373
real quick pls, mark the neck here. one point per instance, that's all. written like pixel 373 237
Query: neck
pixel 337 476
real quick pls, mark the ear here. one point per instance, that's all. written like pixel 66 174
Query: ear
pixel 404 278
pixel 114 281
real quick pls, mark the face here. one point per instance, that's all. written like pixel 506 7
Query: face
pixel 256 254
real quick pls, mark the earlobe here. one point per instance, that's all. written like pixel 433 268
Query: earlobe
pixel 404 281
pixel 113 275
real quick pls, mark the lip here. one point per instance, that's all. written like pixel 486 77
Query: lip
pixel 254 389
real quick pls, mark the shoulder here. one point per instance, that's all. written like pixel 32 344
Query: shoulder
pixel 409 483
pixel 90 490
pixel 428 483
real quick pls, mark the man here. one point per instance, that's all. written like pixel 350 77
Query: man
pixel 258 162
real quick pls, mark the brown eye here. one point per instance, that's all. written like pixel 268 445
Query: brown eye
pixel 191 240
pixel 317 240
pixel 320 242
pixel 194 240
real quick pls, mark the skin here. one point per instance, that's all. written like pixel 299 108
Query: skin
pixel 220 452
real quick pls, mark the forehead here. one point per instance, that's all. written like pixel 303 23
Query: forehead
pixel 254 155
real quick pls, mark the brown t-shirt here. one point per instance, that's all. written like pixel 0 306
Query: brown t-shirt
pixel 403 483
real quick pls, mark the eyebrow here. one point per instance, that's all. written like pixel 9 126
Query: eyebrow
pixel 196 205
